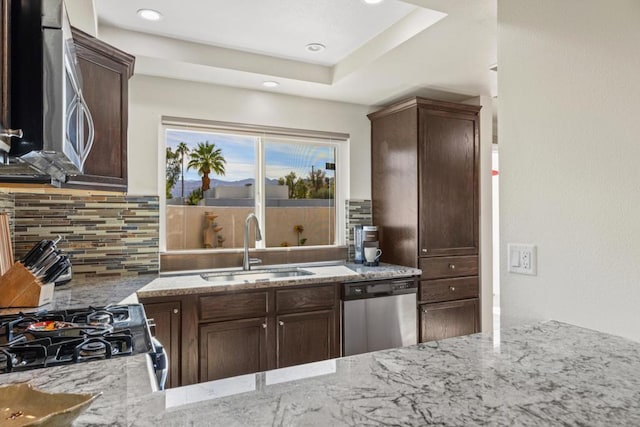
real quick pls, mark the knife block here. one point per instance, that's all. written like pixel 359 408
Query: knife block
pixel 20 288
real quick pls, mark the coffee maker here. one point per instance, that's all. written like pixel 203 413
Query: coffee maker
pixel 364 237
pixel 370 240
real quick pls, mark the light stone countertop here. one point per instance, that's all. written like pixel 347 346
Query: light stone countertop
pixel 125 384
pixel 189 284
pixel 94 291
pixel 545 374
pixel 549 373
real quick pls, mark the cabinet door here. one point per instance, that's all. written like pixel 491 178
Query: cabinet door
pixel 448 150
pixel 232 348
pixel 306 337
pixel 167 318
pixel 105 74
pixel 448 319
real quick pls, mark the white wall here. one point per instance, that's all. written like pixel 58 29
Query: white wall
pixel 82 15
pixel 569 127
pixel 152 97
pixel 486 226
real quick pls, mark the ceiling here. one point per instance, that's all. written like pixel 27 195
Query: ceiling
pixel 375 54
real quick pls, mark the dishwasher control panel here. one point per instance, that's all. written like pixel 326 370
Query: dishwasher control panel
pixel 380 288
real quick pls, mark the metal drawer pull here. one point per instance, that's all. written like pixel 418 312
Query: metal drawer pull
pixel 452 288
pixel 175 311
pixel 281 323
pixel 11 133
pixel 264 326
pixel 424 251
pixel 452 266
pixel 424 310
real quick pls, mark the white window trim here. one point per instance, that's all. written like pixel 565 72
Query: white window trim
pixel 340 140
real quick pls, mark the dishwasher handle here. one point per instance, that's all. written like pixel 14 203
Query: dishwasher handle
pixel 377 289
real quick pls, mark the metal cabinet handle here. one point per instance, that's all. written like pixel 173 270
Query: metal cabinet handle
pixel 424 310
pixel 11 133
pixel 281 323
pixel 452 266
pixel 452 288
pixel 264 326
pixel 424 251
pixel 176 311
pixel 88 143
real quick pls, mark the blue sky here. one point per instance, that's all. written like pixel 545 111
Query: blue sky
pixel 239 151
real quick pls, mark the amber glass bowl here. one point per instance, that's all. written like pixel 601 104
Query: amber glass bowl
pixel 23 405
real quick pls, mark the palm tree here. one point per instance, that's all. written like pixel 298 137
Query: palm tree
pixel 206 158
pixel 182 150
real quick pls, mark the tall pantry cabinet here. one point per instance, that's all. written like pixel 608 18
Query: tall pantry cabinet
pixel 425 197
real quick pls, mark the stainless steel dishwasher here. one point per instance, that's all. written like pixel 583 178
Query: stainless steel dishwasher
pixel 378 315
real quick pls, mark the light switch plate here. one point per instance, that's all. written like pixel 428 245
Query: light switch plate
pixel 523 259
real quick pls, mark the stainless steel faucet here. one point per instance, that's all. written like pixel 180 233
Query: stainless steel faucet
pixel 246 261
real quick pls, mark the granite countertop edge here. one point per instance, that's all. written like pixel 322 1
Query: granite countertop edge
pixel 193 284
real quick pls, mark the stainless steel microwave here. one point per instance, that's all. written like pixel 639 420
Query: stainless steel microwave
pixel 47 103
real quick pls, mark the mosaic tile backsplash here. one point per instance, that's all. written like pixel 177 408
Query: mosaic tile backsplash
pixel 7 205
pixel 103 235
pixel 358 213
pixel 109 235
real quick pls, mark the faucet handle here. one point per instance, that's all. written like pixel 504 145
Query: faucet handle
pixel 254 261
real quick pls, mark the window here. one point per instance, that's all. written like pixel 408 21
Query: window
pixel 217 174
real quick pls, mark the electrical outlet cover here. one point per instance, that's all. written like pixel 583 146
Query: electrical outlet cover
pixel 522 258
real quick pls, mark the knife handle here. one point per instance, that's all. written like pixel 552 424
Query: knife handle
pixel 33 253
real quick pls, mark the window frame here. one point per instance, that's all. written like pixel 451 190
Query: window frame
pixel 338 140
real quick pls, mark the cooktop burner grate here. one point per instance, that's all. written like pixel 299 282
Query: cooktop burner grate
pixel 94 333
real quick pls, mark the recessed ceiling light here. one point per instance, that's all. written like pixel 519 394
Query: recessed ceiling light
pixel 315 47
pixel 372 1
pixel 149 14
pixel 270 83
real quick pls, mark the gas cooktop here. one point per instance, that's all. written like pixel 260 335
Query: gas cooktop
pixel 51 338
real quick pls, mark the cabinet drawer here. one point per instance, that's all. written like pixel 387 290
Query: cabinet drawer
pixel 448 289
pixel 306 298
pixel 454 266
pixel 233 306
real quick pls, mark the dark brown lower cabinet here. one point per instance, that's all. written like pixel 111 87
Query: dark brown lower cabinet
pixel 448 319
pixel 224 334
pixel 231 348
pixel 306 337
pixel 167 318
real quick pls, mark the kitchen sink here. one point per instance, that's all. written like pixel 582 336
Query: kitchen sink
pixel 255 275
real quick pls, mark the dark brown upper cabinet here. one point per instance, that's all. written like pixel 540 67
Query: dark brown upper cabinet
pixel 105 75
pixel 424 164
pixel 448 181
